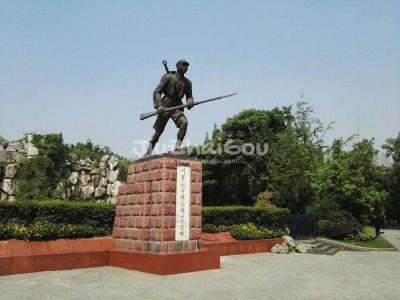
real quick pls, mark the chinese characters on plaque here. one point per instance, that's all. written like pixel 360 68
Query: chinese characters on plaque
pixel 182 222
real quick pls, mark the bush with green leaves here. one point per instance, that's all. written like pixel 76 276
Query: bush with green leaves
pixel 42 230
pixel 250 231
pixel 335 230
pixel 95 214
pixel 268 217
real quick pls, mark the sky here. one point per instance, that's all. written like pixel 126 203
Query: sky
pixel 87 69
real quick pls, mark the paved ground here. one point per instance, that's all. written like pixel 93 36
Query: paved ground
pixel 393 236
pixel 346 275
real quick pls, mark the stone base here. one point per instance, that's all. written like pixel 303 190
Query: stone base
pixel 165 264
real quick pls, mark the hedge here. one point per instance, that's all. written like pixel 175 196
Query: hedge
pixel 94 214
pixel 267 217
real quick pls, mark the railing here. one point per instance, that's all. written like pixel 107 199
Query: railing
pixel 303 226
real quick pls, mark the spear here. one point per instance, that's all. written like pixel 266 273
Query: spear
pixel 168 109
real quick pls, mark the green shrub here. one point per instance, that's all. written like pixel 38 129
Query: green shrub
pixel 43 230
pixel 250 231
pixel 88 149
pixel 267 217
pixel 95 214
pixel 209 228
pixel 335 230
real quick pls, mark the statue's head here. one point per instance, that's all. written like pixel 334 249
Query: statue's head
pixel 182 66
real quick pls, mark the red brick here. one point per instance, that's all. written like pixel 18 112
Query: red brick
pixel 196 176
pixel 169 186
pixel 156 174
pixel 144 235
pixel 155 222
pixel 138 168
pixel 131 169
pixel 195 187
pixel 170 163
pixel 168 234
pixel 143 246
pixel 123 222
pixel 145 210
pixel 118 211
pixel 170 197
pixel 156 164
pixel 117 232
pixel 193 198
pixel 172 210
pixel 195 166
pixel 155 210
pixel 195 233
pixel 146 166
pixel 198 199
pixel 131 199
pixel 122 189
pixel 131 222
pixel 169 222
pixel 135 210
pixel 156 186
pixel 154 234
pixel 195 210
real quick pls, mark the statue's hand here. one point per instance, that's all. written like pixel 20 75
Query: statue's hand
pixel 190 103
pixel 160 109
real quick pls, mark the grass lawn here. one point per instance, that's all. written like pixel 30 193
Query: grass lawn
pixel 380 242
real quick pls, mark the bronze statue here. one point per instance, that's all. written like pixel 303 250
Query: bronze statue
pixel 167 100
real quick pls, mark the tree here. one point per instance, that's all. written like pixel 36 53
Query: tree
pixel 392 181
pixel 351 179
pixel 295 158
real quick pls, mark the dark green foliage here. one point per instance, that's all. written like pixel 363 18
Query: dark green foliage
pixel 334 230
pixel 209 228
pixel 392 178
pixel 88 149
pixel 251 232
pixel 232 215
pixel 42 230
pixel 240 182
pixel 36 178
pixel 99 215
pixel 123 165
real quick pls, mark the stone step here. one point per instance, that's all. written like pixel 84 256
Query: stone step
pixel 317 245
pixel 322 248
pixel 332 250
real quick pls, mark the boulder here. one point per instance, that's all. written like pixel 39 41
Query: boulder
pixel 95 171
pixel 96 180
pixel 17 156
pixel 103 182
pixel 75 191
pixel 290 242
pixel 30 138
pixel 74 177
pixel 100 192
pixel 15 146
pixel 105 158
pixel 31 149
pixel 87 192
pixel 11 170
pixel 112 176
pixel 7 186
pixel 1 147
pixel 102 165
pixel 280 249
pixel 302 248
pixel 85 178
pixel 113 162
pixel 3 196
pixel 5 156
pixel 114 188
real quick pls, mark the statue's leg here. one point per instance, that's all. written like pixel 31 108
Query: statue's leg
pixel 159 126
pixel 182 123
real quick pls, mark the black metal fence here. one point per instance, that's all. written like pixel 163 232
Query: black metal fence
pixel 303 226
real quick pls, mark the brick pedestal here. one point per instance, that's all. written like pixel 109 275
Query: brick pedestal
pixel 145 215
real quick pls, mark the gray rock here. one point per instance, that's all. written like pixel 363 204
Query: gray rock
pixel 5 156
pixel 17 156
pixel 109 189
pixel 302 248
pixel 14 146
pixel 85 178
pixel 1 147
pixel 280 249
pixel 11 198
pixel 112 176
pixel 7 186
pixel 96 180
pixel 75 191
pixel 103 182
pixel 11 170
pixel 105 158
pixel 88 162
pixel 95 171
pixel 100 192
pixel 102 165
pixel 3 196
pixel 87 192
pixel 113 163
pixel 114 188
pixel 290 242
pixel 74 178
pixel 30 138
pixel 112 200
pixel 31 149
pixel 81 162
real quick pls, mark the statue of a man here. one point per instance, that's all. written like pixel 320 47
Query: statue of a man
pixel 170 91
